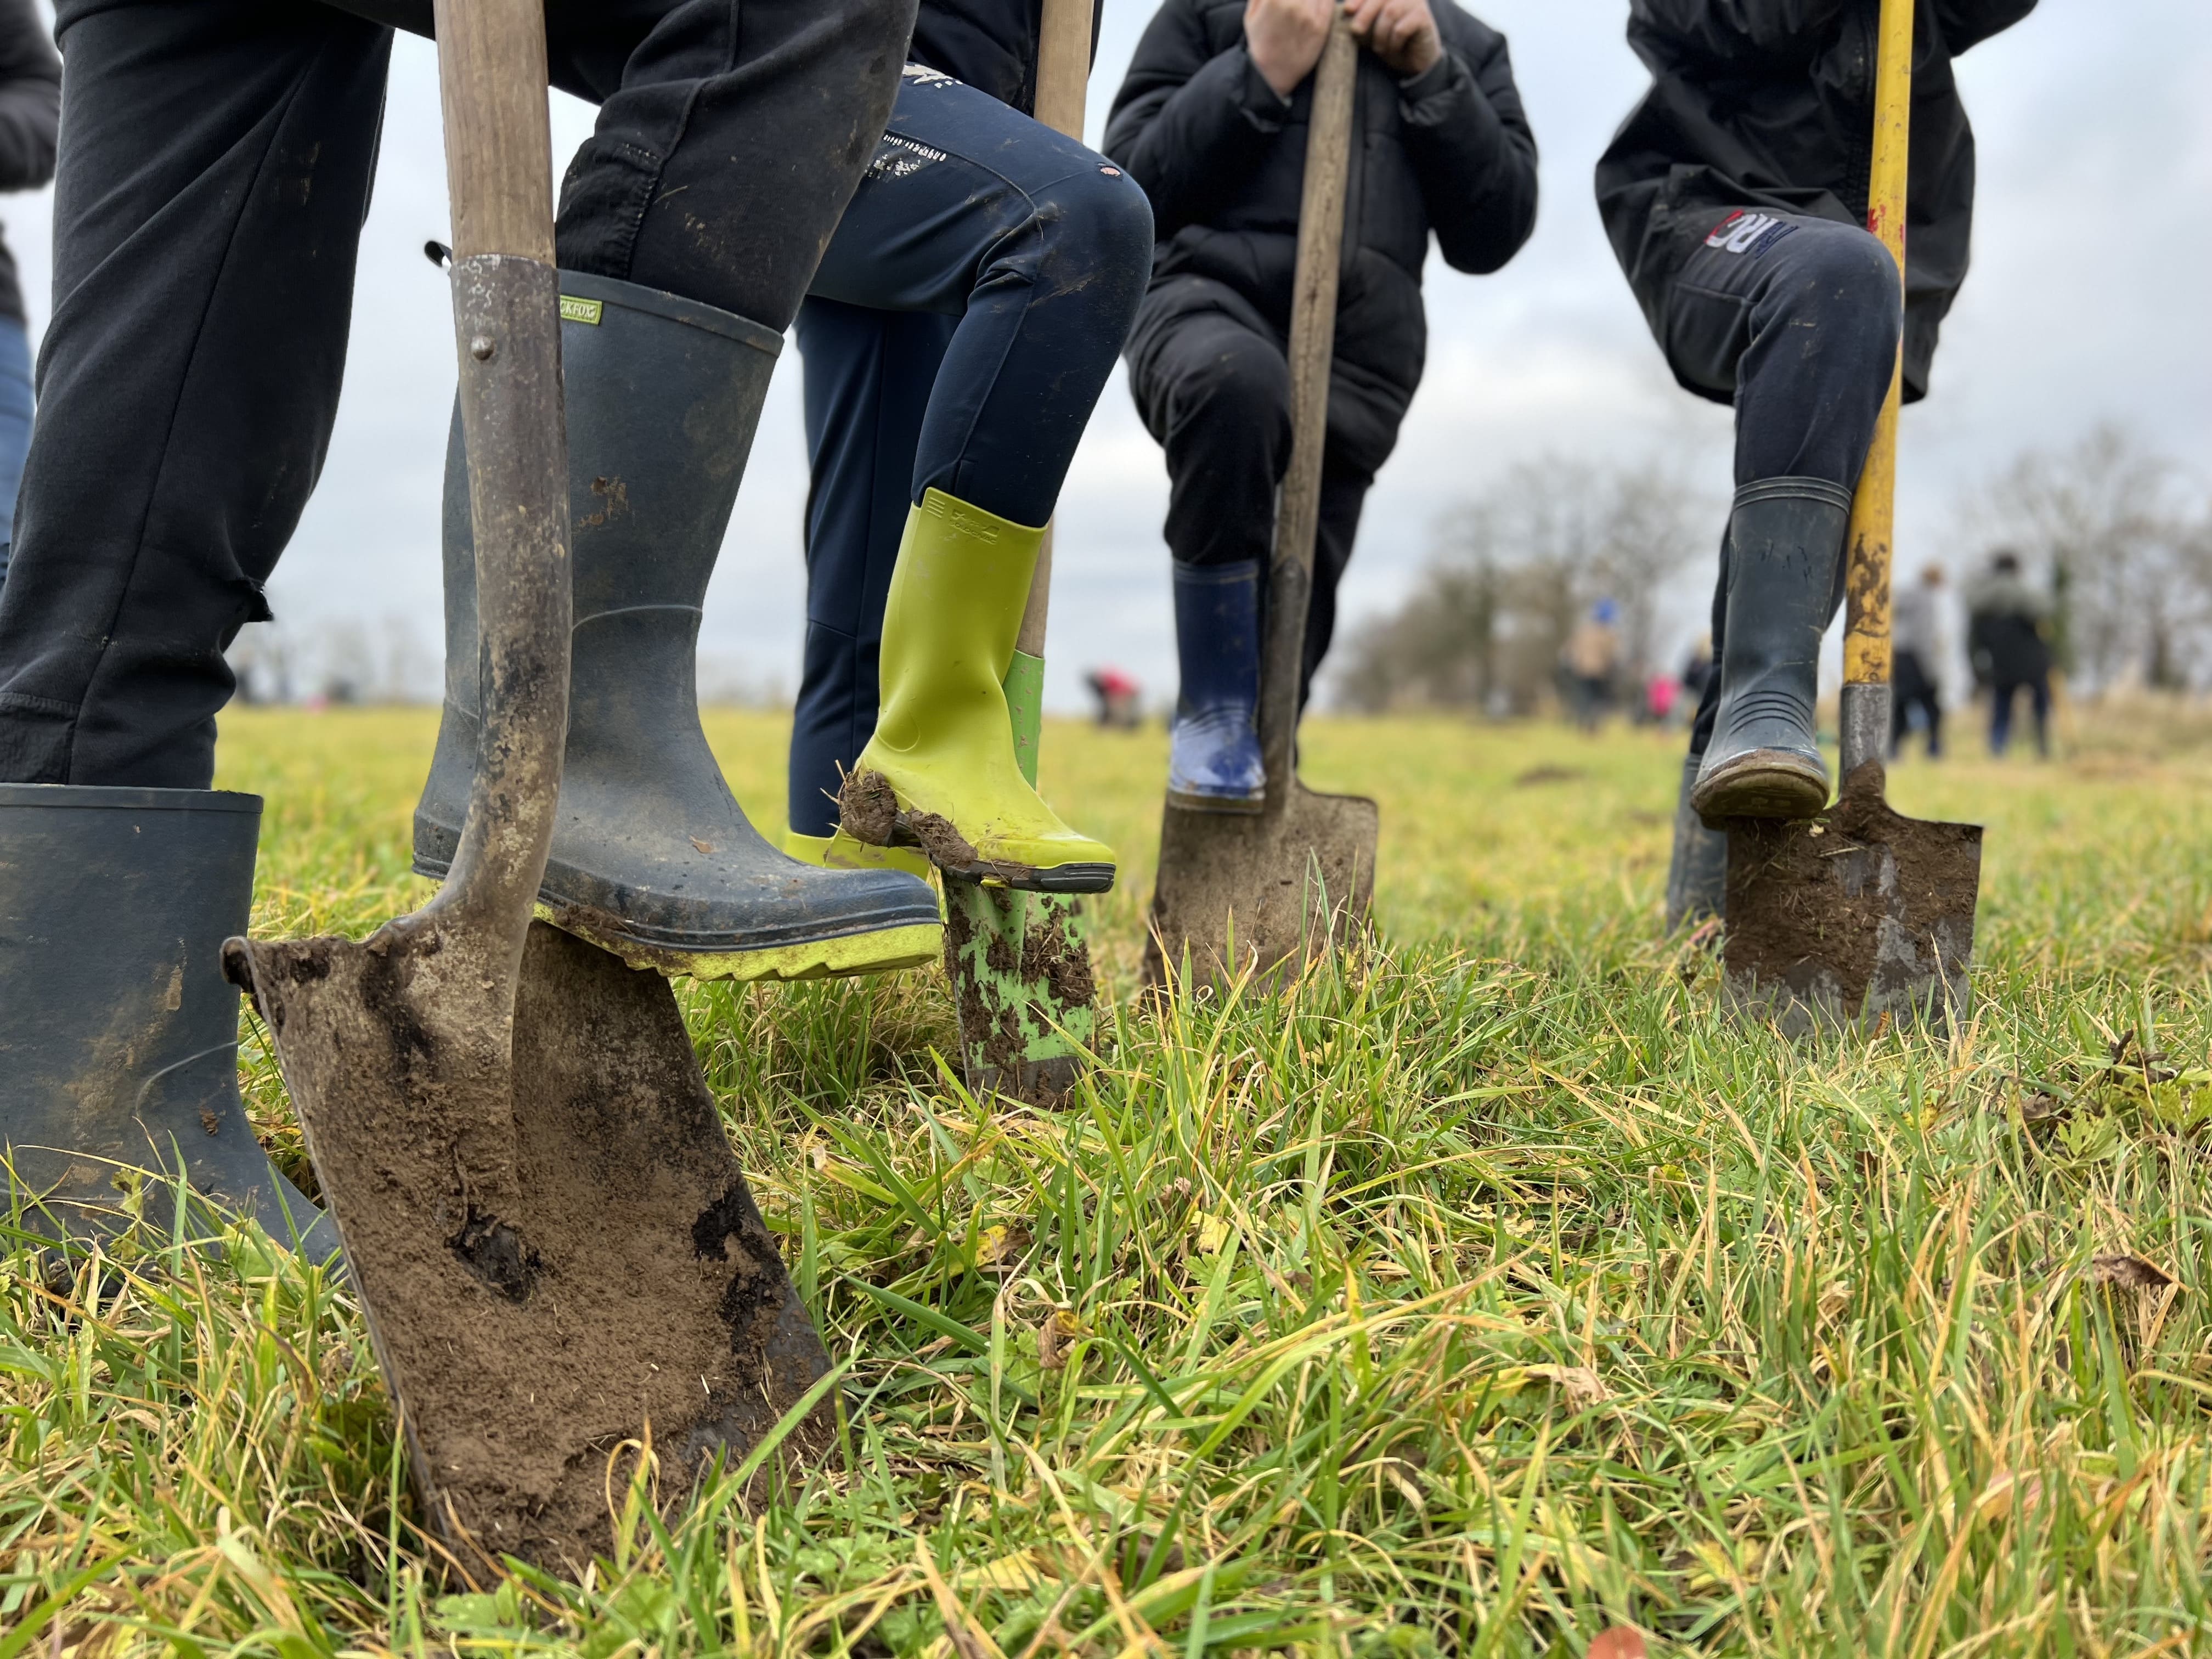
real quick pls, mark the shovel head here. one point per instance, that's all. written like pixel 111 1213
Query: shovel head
pixel 1020 967
pixel 1856 918
pixel 1262 891
pixel 537 1324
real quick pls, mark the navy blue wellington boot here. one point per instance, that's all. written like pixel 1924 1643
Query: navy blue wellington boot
pixel 1213 757
pixel 652 858
pixel 119 1033
pixel 1785 560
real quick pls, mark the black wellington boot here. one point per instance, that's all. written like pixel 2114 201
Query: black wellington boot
pixel 119 1033
pixel 653 857
pixel 1785 555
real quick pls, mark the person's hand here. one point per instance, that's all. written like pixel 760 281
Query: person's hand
pixel 1401 33
pixel 1285 38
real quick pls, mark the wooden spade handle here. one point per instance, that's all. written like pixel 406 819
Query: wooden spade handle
pixel 1064 36
pixel 1313 344
pixel 1873 514
pixel 491 70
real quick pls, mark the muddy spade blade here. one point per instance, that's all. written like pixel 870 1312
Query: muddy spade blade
pixel 535 1317
pixel 1020 967
pixel 1859 918
pixel 1257 893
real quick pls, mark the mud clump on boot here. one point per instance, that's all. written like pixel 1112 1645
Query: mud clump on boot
pixel 868 808
pixel 940 842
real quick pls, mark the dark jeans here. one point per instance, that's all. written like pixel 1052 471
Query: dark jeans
pixel 957 337
pixel 1914 687
pixel 215 169
pixel 1796 319
pixel 2038 703
pixel 1215 390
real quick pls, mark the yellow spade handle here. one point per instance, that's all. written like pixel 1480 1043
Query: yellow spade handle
pixel 1874 513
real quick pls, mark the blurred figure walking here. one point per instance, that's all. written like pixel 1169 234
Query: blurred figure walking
pixel 1587 662
pixel 2006 636
pixel 1917 644
pixel 30 113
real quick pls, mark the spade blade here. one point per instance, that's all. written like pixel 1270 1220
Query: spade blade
pixel 538 1315
pixel 1263 890
pixel 1859 918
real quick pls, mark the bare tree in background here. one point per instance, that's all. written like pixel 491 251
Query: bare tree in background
pixel 1512 570
pixel 2106 522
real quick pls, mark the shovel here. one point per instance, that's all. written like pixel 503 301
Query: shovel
pixel 561 1268
pixel 1020 962
pixel 1860 917
pixel 1281 885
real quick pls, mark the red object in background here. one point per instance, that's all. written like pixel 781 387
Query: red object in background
pixel 1660 695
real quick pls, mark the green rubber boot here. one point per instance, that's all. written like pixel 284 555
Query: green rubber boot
pixel 940 772
pixel 841 852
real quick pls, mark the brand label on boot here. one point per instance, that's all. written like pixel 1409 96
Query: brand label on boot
pixel 574 310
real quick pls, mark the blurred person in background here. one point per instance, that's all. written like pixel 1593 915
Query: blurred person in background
pixel 1916 636
pixel 1119 697
pixel 30 114
pixel 1588 662
pixel 1212 121
pixel 2008 640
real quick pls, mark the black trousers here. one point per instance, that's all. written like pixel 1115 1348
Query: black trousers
pixel 215 163
pixel 1214 390
pixel 1913 687
pixel 1796 321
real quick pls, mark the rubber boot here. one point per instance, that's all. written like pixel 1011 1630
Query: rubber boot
pixel 1785 551
pixel 118 1034
pixel 1213 752
pixel 652 858
pixel 1697 876
pixel 940 772
pixel 840 851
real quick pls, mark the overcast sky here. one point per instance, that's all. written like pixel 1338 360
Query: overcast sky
pixel 2087 303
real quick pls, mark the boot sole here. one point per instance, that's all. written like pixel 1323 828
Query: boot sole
pixel 890 824
pixel 1761 783
pixel 843 956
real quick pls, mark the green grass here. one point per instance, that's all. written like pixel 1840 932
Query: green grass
pixel 1480 1292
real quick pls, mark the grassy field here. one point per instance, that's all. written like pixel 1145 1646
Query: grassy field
pixel 1480 1293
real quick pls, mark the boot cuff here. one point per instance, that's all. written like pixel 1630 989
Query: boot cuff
pixel 1798 489
pixel 584 298
pixel 1216 575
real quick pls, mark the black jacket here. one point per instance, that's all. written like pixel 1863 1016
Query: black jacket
pixel 1770 104
pixel 30 114
pixel 992 45
pixel 1222 160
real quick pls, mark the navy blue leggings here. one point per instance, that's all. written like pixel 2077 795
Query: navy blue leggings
pixel 957 337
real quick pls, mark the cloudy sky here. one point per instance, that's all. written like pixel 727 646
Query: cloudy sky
pixel 2086 304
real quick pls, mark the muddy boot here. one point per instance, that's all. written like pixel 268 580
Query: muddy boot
pixel 1785 546
pixel 1697 876
pixel 1213 755
pixel 652 858
pixel 940 772
pixel 118 1034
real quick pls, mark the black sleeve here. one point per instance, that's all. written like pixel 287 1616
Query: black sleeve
pixel 1189 126
pixel 1967 23
pixel 1471 146
pixel 1739 33
pixel 30 97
